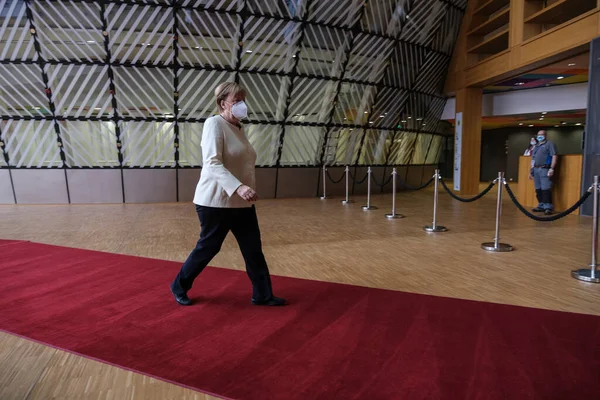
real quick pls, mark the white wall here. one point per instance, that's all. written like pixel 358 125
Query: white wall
pixel 553 98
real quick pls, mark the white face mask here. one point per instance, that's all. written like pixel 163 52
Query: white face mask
pixel 239 110
pixel 533 143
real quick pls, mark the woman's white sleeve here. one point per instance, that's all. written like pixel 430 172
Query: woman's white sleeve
pixel 212 154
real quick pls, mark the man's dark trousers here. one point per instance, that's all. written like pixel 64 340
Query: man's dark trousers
pixel 543 188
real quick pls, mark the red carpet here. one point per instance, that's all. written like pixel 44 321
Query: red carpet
pixel 333 341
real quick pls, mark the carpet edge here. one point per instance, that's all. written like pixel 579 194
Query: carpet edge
pixel 114 365
pixel 459 299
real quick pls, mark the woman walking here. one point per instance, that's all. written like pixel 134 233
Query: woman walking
pixel 224 197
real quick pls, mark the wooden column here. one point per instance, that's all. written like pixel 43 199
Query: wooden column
pixel 469 102
pixel 516 24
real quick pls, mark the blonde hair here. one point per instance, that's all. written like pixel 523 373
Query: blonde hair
pixel 225 89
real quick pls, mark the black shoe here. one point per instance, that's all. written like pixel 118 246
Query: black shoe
pixel 537 209
pixel 548 212
pixel 273 301
pixel 182 299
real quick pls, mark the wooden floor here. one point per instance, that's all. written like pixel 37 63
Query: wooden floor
pixel 314 239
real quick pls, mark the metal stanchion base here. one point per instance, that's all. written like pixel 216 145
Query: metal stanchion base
pixel 347 201
pixel 324 197
pixel 502 247
pixel 585 274
pixel 437 228
pixel 394 216
pixel 368 208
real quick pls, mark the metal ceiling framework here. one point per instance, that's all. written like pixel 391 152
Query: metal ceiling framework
pixel 97 84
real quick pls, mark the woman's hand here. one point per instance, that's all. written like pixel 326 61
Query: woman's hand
pixel 247 193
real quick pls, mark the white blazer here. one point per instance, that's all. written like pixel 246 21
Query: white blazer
pixel 228 161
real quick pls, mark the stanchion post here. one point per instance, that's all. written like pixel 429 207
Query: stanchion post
pixel 324 183
pixel 496 245
pixel 434 227
pixel 591 274
pixel 347 200
pixel 369 206
pixel 393 214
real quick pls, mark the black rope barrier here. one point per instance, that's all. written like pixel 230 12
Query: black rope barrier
pixel 469 199
pixel 546 219
pixel 358 182
pixel 423 186
pixel 333 180
pixel 384 183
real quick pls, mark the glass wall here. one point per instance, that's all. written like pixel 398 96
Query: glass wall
pixel 329 81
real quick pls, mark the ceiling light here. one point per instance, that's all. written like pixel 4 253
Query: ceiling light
pixel 91 41
pixel 409 117
pixel 571 64
pixel 404 120
pixel 530 126
pixel 520 123
pixel 37 108
pixel 248 51
pixel 198 47
pixel 544 113
pixel 541 119
pixel 556 126
pixel 381 116
pixel 97 109
pixel 419 119
pixel 560 77
pixel 423 124
pixel 366 112
pixel 578 124
pixel 370 122
pixel 564 123
pixel 519 83
pixel 293 55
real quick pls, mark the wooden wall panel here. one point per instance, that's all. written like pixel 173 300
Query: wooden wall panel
pixel 487 70
pixel 523 56
pixel 574 35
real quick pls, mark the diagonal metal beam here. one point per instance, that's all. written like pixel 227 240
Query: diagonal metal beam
pixel 392 27
pixel 294 49
pixel 115 105
pixel 175 34
pixel 43 67
pixel 240 42
pixel 354 32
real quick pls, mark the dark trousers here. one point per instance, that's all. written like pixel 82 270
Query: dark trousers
pixel 543 188
pixel 215 225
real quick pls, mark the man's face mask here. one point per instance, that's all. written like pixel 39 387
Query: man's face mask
pixel 541 138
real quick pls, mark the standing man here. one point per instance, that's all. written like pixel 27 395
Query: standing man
pixel 542 169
